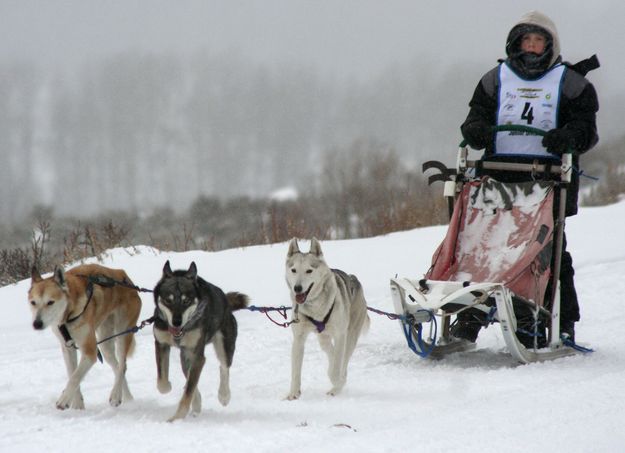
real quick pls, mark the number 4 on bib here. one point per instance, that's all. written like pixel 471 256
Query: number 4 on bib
pixel 528 113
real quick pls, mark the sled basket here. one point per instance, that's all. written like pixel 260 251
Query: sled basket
pixel 499 232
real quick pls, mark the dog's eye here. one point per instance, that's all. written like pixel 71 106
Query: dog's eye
pixel 293 270
pixel 309 271
pixel 50 302
pixel 33 303
pixel 163 301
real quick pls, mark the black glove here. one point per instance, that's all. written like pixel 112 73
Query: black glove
pixel 477 135
pixel 558 141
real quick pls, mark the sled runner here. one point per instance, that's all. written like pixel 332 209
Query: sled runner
pixel 494 262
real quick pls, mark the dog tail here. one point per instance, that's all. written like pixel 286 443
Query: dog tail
pixel 237 300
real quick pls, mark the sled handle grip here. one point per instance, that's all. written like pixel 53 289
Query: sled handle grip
pixel 515 128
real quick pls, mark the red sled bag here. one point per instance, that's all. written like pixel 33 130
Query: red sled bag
pixel 500 233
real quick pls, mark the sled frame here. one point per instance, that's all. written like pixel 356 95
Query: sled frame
pixel 413 297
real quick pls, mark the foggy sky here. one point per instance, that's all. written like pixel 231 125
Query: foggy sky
pixel 342 40
pixel 356 38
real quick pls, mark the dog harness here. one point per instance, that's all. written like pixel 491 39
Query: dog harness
pixel 69 341
pixel 321 325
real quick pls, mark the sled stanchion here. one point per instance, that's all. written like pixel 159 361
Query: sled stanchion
pixel 559 241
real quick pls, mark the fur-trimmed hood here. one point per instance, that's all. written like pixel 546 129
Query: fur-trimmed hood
pixel 524 25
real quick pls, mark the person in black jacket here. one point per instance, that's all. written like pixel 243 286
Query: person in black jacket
pixel 533 87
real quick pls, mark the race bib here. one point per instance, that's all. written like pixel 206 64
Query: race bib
pixel 531 103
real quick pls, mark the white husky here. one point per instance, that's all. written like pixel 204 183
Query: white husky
pixel 328 302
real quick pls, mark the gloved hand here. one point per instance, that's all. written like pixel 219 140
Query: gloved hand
pixel 558 141
pixel 477 135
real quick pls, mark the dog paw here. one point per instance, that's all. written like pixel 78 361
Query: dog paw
pixel 163 386
pixel 334 391
pixel 337 386
pixel 293 395
pixel 77 402
pixel 64 401
pixel 179 415
pixel 115 401
pixel 181 411
pixel 224 398
pixel 196 404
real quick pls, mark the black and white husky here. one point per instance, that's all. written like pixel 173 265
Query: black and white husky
pixel 327 302
pixel 189 314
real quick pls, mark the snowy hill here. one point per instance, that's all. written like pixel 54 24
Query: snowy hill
pixel 394 401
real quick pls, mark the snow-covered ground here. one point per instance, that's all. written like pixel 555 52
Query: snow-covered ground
pixel 394 401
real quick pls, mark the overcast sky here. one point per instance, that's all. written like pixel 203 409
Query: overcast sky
pixel 355 37
pixel 336 38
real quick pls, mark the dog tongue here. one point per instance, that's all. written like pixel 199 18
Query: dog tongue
pixel 300 298
pixel 175 331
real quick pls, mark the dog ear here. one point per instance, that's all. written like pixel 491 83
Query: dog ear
pixel 293 247
pixel 315 247
pixel 59 276
pixel 167 270
pixel 192 271
pixel 35 275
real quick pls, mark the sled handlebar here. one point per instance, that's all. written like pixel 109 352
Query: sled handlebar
pixel 563 169
pixel 512 128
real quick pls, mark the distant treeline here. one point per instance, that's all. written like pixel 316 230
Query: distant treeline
pixel 370 196
pixel 136 132
pixel 184 152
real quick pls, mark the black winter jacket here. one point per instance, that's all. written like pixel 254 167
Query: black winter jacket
pixel 577 112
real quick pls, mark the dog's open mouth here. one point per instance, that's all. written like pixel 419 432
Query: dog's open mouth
pixel 175 331
pixel 300 298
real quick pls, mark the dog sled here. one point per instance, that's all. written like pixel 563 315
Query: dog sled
pixel 494 262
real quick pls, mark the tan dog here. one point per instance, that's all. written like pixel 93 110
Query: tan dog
pixel 83 313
